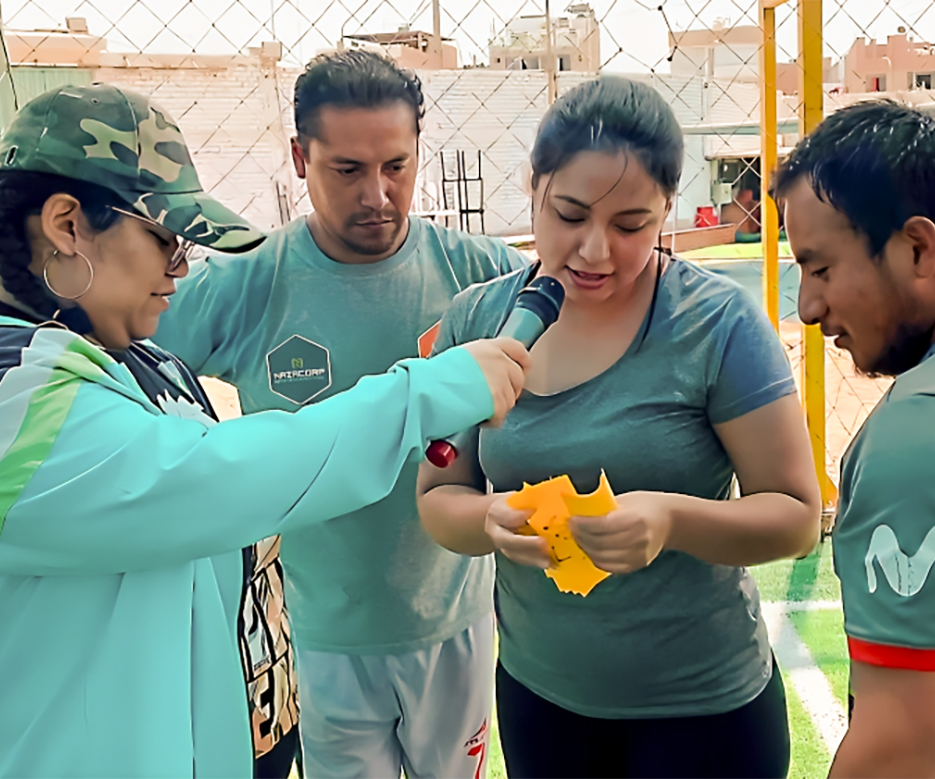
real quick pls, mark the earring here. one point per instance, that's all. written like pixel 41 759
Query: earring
pixel 45 277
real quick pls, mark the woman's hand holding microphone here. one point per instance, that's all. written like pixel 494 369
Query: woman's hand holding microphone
pixel 504 362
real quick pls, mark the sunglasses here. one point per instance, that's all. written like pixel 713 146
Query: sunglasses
pixel 185 248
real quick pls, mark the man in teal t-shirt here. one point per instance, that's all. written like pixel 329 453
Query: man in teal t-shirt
pixel 860 211
pixel 393 634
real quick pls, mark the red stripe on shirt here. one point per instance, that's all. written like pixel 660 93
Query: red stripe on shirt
pixel 891 656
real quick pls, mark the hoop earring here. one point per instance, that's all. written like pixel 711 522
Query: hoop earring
pixel 45 277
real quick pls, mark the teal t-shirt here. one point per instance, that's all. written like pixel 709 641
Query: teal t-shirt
pixel 884 539
pixel 681 637
pixel 288 326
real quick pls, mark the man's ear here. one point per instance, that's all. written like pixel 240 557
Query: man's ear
pixel 299 160
pixel 919 231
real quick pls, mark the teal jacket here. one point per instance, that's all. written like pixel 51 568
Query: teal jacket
pixel 120 535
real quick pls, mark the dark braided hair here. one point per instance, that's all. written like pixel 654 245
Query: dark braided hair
pixel 23 194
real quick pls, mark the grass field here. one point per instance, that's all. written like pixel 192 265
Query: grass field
pixel 798 585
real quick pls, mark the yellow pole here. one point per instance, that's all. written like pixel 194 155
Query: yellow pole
pixel 769 215
pixel 811 113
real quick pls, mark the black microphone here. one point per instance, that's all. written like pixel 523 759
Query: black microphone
pixel 536 309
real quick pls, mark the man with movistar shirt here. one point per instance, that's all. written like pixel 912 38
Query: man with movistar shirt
pixel 860 212
pixel 393 634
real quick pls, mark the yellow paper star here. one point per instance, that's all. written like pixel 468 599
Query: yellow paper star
pixel 553 503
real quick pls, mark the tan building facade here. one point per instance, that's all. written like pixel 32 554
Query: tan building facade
pixel 899 64
pixel 412 49
pixel 576 43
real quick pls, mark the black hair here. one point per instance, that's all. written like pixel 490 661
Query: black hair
pixel 23 194
pixel 612 113
pixel 874 162
pixel 353 79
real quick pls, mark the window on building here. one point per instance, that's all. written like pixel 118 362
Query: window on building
pixel 876 84
pixel 923 81
pixel 530 63
pixel 564 62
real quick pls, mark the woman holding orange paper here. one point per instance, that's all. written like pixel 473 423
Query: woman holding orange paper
pixel 671 380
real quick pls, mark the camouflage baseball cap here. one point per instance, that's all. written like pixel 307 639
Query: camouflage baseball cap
pixel 123 141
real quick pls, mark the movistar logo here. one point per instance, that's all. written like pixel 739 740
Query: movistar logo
pixel 906 575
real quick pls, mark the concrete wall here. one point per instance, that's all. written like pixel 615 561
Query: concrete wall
pixel 726 53
pixel 730 63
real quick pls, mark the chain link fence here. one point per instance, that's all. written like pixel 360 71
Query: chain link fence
pixel 226 70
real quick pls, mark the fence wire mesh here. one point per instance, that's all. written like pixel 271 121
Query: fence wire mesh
pixel 226 70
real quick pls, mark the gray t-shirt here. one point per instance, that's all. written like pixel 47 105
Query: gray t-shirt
pixel 681 637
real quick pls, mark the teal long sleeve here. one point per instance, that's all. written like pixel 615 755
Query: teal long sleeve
pixel 124 489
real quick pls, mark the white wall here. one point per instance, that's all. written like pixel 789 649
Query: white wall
pixel 237 121
pixel 231 120
pixel 731 62
pixel 498 112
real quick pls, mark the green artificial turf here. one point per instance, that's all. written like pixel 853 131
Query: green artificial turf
pixel 810 759
pixel 811 578
pixel 823 634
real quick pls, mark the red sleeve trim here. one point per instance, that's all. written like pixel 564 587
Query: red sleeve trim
pixel 891 656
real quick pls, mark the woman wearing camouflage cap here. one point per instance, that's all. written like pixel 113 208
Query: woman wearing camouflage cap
pixel 123 506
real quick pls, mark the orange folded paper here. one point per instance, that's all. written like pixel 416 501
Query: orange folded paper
pixel 553 503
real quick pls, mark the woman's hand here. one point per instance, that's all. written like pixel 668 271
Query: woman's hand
pixel 628 538
pixel 505 526
pixel 504 362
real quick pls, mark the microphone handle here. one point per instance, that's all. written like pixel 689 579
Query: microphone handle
pixel 524 326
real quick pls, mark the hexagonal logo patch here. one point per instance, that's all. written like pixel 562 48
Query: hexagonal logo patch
pixel 299 369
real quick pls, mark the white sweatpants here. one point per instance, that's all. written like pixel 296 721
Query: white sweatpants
pixel 426 712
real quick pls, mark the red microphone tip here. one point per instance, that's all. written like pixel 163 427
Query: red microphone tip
pixel 441 454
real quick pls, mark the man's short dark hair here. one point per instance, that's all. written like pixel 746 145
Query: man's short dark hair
pixel 353 79
pixel 874 162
